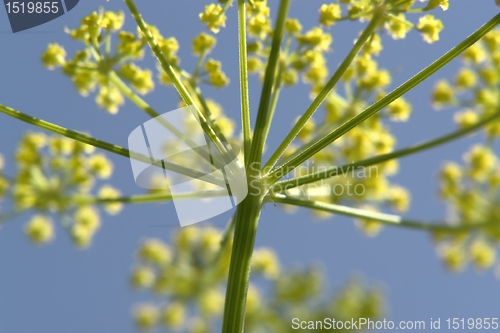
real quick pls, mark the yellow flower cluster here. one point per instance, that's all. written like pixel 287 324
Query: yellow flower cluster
pixel 191 276
pixel 52 173
pixel 213 17
pixel 474 84
pixel 471 192
pixel 92 66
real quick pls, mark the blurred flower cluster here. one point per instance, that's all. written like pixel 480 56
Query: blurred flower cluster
pixel 472 193
pixel 472 189
pixel 53 175
pixel 187 280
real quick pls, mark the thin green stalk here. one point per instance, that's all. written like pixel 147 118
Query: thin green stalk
pixel 267 87
pixel 282 186
pixel 226 6
pixel 379 13
pixel 149 198
pixel 274 100
pixel 107 146
pixel 318 144
pixel 245 106
pixel 181 89
pixel 389 219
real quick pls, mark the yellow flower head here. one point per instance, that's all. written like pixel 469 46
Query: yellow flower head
pixel 203 43
pixel 155 251
pixel 100 165
pixel 213 17
pixel 54 56
pixel 430 28
pixel 40 229
pixel 329 14
pixel 266 261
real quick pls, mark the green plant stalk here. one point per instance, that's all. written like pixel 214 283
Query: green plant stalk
pixel 279 187
pixel 107 146
pixel 372 26
pixel 149 198
pixel 274 100
pixel 318 144
pixel 181 89
pixel 248 211
pixel 247 217
pixel 389 219
pixel 245 107
pixel 267 87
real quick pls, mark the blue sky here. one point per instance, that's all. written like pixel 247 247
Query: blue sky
pixel 57 288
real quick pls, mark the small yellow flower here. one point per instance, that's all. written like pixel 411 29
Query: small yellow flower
pixel 329 14
pixel 155 251
pixel 213 18
pixel 398 27
pixel 112 21
pixel 174 315
pixel 475 54
pixel 266 261
pixel 399 198
pixel 146 316
pixel 430 28
pixel 316 39
pixel 203 43
pixel 142 277
pixel 399 110
pixel 481 161
pixel 88 217
pixel 454 257
pixel 40 229
pixel 110 99
pixel 218 79
pixel 443 93
pixel 100 165
pixel 54 56
pixel 211 302
pixel 466 78
pixel 466 118
pixel 82 235
pixel 483 254
pixel 109 192
pixel 292 26
pixel 254 64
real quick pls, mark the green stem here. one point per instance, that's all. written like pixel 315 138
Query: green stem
pixel 148 198
pixel 107 146
pixel 245 107
pixel 318 144
pixel 226 6
pixel 267 87
pixel 247 217
pixel 389 219
pixel 279 187
pixel 377 17
pixel 274 100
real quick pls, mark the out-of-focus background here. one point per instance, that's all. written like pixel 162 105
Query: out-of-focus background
pixel 57 288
